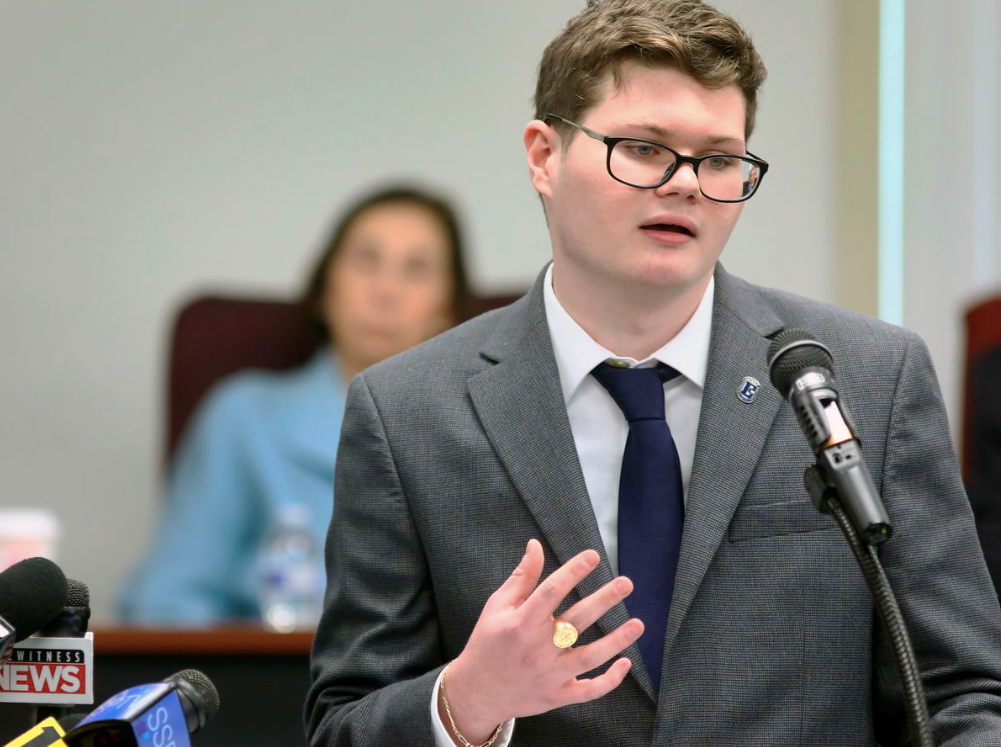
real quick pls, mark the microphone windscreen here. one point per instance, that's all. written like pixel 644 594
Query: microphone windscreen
pixel 73 619
pixel 32 593
pixel 208 696
pixel 78 595
pixel 791 351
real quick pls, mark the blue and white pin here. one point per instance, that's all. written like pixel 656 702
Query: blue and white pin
pixel 748 389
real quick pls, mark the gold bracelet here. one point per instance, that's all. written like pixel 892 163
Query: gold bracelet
pixel 455 730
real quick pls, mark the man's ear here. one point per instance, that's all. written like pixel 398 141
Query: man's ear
pixel 542 147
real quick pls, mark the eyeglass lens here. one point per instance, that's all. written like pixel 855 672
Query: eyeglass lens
pixel 721 177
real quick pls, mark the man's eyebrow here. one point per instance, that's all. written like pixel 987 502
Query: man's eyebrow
pixel 666 135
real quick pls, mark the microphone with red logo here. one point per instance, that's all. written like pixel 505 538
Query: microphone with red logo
pixel 53 668
pixel 161 713
pixel 71 622
pixel 32 593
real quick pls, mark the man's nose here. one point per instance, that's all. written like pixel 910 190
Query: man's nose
pixel 683 181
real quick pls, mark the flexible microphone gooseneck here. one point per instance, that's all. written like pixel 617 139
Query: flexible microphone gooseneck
pixel 802 369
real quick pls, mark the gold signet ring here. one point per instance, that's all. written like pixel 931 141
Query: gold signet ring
pixel 564 634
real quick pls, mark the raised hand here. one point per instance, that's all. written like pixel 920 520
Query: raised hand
pixel 510 667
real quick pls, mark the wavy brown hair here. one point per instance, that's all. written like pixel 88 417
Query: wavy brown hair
pixel 686 35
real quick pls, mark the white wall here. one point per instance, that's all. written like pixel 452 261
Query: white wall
pixel 786 237
pixel 152 149
pixel 952 207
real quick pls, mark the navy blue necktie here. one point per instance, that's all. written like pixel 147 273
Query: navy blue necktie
pixel 651 502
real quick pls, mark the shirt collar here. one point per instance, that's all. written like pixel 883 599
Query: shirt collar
pixel 577 353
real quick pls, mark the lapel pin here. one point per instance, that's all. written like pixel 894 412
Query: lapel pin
pixel 748 389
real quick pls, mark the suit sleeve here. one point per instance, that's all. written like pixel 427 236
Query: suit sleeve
pixel 377 654
pixel 937 570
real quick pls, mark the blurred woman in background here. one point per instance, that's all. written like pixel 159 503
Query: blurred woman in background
pixel 261 448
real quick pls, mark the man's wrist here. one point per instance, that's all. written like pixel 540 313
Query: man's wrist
pixel 458 707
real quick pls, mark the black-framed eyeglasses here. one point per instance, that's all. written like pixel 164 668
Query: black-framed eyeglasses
pixel 646 164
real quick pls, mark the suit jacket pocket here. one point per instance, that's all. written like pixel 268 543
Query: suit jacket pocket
pixel 774 519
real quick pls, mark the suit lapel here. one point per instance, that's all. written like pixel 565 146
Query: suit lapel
pixel 731 434
pixel 520 403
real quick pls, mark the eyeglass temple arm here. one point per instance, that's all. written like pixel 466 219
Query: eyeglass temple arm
pixel 582 128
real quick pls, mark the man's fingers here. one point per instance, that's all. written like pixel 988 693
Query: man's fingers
pixel 584 690
pixel 587 611
pixel 519 585
pixel 547 597
pixel 593 655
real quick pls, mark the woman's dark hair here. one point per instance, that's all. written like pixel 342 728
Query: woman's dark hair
pixel 397 194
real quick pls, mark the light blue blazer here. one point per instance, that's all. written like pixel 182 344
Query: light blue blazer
pixel 260 440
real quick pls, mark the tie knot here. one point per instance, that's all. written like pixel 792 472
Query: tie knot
pixel 639 392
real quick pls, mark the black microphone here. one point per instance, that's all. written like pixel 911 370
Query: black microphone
pixel 71 622
pixel 73 619
pixel 70 721
pixel 161 713
pixel 802 369
pixel 32 593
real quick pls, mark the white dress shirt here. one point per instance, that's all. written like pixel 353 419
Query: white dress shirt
pixel 600 429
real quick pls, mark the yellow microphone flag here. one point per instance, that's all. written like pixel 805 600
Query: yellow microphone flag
pixel 47 733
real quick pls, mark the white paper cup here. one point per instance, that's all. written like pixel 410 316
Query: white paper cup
pixel 27 533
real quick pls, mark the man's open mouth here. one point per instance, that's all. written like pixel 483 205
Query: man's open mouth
pixel 668 227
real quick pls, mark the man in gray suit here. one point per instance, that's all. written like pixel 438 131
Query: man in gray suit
pixel 615 420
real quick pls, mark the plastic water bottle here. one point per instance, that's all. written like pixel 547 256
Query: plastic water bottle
pixel 290 574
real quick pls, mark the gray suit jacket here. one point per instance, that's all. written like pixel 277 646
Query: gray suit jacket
pixel 455 453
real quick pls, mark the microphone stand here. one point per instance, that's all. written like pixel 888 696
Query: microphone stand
pixel 826 498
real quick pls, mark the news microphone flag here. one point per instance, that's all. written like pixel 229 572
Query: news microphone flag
pixel 48 733
pixel 145 714
pixel 52 671
pixel 160 714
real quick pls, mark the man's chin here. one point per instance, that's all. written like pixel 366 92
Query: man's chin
pixel 665 277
